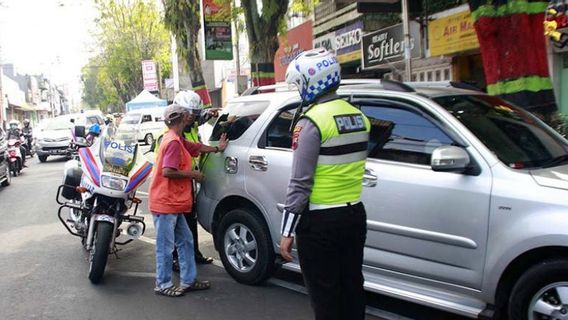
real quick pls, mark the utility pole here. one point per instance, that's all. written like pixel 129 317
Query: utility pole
pixel 407 49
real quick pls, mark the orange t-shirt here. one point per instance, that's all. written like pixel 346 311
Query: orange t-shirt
pixel 167 195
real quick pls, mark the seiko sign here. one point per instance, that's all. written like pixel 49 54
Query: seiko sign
pixel 348 42
pixel 387 45
pixel 351 38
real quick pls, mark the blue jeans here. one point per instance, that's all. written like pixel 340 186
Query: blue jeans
pixel 172 229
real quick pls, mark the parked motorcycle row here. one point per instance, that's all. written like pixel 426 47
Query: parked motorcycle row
pixel 14 148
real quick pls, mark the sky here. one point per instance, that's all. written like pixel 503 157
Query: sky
pixel 52 37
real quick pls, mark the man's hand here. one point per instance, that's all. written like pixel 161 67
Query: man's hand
pixel 286 248
pixel 223 142
pixel 214 112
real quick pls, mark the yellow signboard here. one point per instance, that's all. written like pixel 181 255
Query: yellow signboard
pixel 452 34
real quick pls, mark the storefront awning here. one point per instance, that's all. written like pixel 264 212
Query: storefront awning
pixel 23 107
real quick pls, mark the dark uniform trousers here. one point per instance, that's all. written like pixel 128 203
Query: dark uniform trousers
pixel 330 247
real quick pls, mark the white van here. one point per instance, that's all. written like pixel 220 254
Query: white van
pixel 148 123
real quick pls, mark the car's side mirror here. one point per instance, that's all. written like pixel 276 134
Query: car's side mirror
pixel 450 159
pixel 80 131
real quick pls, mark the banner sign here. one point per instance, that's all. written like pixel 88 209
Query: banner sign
pixel 296 41
pixel 217 26
pixel 387 45
pixel 452 34
pixel 150 76
pixel 348 42
pixel 326 41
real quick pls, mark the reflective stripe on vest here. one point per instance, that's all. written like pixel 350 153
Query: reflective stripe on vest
pixel 344 134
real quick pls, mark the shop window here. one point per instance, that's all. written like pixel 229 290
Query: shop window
pixel 429 75
pixel 422 78
pixel 438 75
pixel 447 74
pixel 413 77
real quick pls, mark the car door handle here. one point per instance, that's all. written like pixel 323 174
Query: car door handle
pixel 370 178
pixel 258 163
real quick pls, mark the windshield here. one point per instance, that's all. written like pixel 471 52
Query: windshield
pixel 58 123
pixel 119 152
pixel 517 138
pixel 132 118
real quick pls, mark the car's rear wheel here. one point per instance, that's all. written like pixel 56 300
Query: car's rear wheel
pixel 245 246
pixel 8 177
pixel 149 139
pixel 42 158
pixel 541 292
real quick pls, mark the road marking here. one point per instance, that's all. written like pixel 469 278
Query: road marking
pixel 375 312
pixel 147 240
pixel 134 274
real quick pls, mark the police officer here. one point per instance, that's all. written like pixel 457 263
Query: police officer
pixel 323 204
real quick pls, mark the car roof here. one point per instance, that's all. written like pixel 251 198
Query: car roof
pixel 281 94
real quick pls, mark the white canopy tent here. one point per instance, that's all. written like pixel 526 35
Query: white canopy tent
pixel 145 100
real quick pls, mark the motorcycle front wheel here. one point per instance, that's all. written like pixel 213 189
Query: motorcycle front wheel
pixel 99 251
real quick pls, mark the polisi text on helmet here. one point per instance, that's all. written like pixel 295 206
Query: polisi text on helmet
pixel 326 63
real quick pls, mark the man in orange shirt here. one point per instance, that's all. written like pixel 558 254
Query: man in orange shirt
pixel 170 196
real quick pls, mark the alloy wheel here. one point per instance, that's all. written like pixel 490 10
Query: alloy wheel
pixel 240 247
pixel 550 303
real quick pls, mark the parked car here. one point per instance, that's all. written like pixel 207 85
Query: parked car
pixel 5 175
pixel 465 197
pixel 53 135
pixel 148 123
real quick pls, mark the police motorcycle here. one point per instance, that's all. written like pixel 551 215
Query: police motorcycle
pixel 99 190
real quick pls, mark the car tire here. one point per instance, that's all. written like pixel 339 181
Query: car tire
pixel 540 284
pixel 245 247
pixel 8 180
pixel 149 139
pixel 42 158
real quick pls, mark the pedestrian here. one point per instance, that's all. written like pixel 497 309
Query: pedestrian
pixel 191 100
pixel 170 196
pixel 323 210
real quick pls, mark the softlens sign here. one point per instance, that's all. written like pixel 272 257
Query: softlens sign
pixel 348 42
pixel 387 45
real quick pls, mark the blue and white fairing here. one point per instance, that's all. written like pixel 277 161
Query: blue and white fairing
pixel 113 167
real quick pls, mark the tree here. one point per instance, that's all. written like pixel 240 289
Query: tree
pixel 129 31
pixel 182 18
pixel 262 25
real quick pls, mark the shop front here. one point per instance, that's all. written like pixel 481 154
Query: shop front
pixel 451 36
pixel 346 43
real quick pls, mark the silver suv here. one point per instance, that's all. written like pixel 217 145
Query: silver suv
pixel 466 198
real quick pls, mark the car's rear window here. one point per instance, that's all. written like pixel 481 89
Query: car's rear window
pixel 236 118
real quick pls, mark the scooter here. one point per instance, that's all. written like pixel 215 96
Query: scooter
pixel 99 190
pixel 15 157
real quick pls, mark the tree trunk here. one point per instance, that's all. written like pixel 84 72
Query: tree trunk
pixel 194 65
pixel 262 31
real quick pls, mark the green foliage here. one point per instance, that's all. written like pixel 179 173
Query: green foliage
pixel 182 17
pixel 129 31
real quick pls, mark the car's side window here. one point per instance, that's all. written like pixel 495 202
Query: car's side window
pixel 402 134
pixel 147 118
pixel 278 132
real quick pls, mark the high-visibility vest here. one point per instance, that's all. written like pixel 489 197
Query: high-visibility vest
pixel 340 168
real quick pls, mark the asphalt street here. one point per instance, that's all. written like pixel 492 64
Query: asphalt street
pixel 44 271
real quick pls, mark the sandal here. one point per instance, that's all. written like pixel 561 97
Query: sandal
pixel 197 285
pixel 172 291
pixel 203 260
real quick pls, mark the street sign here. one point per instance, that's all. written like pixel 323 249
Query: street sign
pixel 150 76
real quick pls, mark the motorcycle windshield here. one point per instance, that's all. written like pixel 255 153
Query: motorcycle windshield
pixel 119 153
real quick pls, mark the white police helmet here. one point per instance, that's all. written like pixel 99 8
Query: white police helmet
pixel 314 72
pixel 189 100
